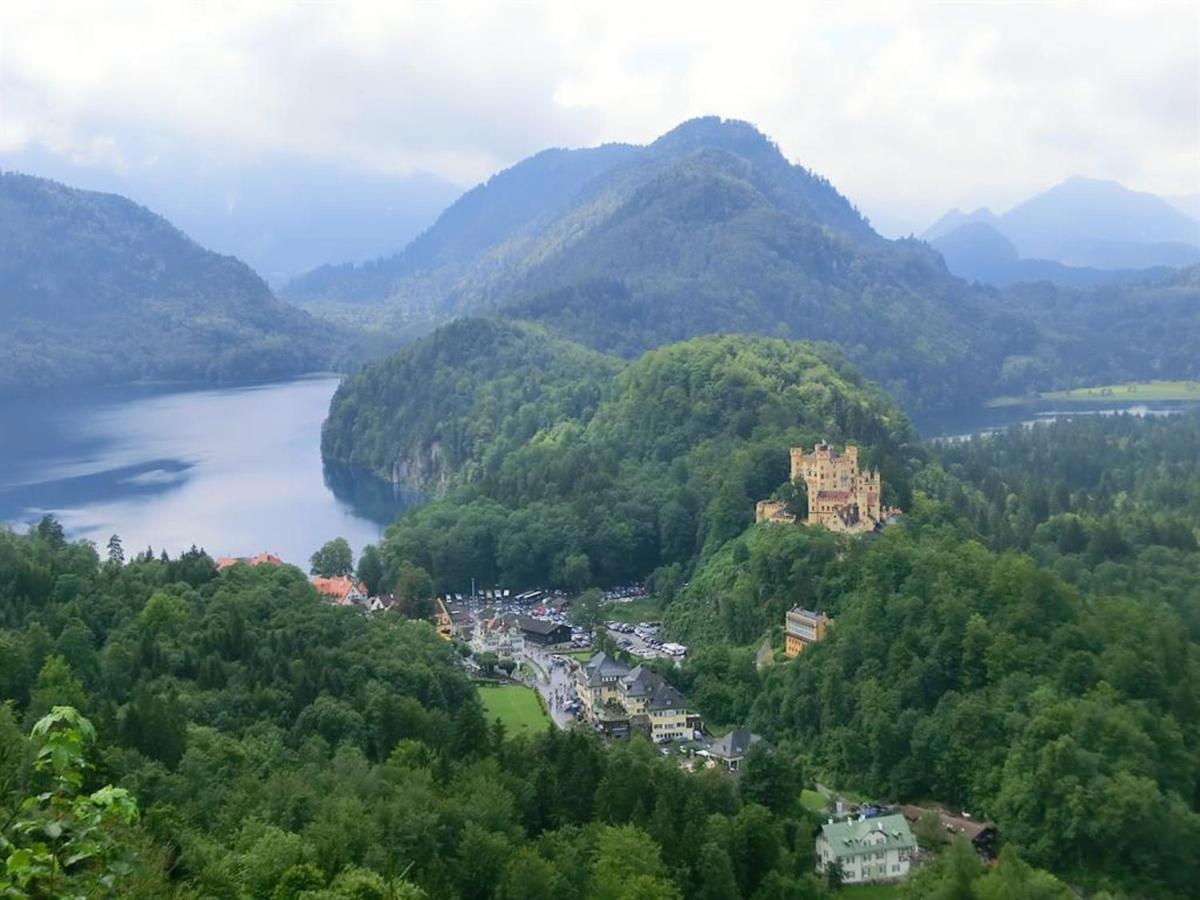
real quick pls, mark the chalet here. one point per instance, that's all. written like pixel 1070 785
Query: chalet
pixel 866 850
pixel 543 631
pixel 980 832
pixel 732 749
pixel 342 591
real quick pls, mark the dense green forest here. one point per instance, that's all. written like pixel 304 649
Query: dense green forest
pixel 598 476
pixel 457 401
pixel 1026 645
pixel 1125 331
pixel 96 289
pixel 246 739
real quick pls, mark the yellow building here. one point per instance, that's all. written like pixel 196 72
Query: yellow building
pixel 772 511
pixel 840 497
pixel 442 620
pixel 802 627
pixel 607 687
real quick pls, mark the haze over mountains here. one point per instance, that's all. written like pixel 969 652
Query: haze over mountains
pixel 282 216
pixel 1082 231
pixel 96 289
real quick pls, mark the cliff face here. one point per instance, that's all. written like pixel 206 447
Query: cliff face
pixel 423 468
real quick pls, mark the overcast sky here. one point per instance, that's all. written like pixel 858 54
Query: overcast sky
pixel 909 110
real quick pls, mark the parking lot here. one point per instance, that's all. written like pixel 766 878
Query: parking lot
pixel 642 640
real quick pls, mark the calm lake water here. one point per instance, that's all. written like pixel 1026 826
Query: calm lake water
pixel 989 421
pixel 235 471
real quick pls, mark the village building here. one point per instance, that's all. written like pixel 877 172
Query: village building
pixel 774 511
pixel 617 698
pixel 731 750
pixel 802 627
pixel 499 635
pixel 342 591
pixel 866 850
pixel 260 559
pixel 981 833
pixel 840 497
pixel 381 603
pixel 442 620
pixel 543 631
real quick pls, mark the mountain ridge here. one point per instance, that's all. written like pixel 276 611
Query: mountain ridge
pixel 98 288
pixel 1081 223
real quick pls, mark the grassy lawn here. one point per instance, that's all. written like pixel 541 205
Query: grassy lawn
pixel 633 612
pixel 869 891
pixel 1132 392
pixel 517 707
pixel 812 800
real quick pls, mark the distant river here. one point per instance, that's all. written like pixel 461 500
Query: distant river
pixel 235 471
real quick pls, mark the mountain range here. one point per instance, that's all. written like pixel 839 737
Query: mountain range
pixel 96 289
pixel 1082 231
pixel 619 248
pixel 709 229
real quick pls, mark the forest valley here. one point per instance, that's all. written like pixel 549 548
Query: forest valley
pixel 1023 645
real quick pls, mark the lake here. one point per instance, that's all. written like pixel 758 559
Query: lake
pixel 991 420
pixel 235 471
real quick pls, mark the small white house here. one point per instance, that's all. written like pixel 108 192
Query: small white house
pixel 878 849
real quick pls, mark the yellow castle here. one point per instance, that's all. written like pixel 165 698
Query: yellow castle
pixel 840 497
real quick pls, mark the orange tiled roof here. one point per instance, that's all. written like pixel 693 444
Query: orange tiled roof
pixel 338 588
pixel 261 559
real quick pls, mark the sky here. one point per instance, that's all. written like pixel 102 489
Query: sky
pixel 909 109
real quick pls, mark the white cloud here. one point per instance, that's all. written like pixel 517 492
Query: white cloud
pixel 907 108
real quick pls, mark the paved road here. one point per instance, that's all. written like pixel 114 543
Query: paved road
pixel 555 689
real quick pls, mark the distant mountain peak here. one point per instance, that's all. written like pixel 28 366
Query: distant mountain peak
pixel 735 135
pixel 956 218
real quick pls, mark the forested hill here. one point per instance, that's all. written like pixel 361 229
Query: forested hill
pixel 456 401
pixel 1024 645
pixel 596 474
pixel 96 289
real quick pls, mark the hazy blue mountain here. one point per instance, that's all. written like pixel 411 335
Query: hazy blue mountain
pixel 96 289
pixel 283 216
pixel 977 251
pixel 1077 221
pixel 484 247
pixel 955 219
pixel 1086 222
pixel 1188 204
pixel 486 226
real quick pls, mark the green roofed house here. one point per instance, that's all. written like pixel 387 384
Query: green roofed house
pixel 879 849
